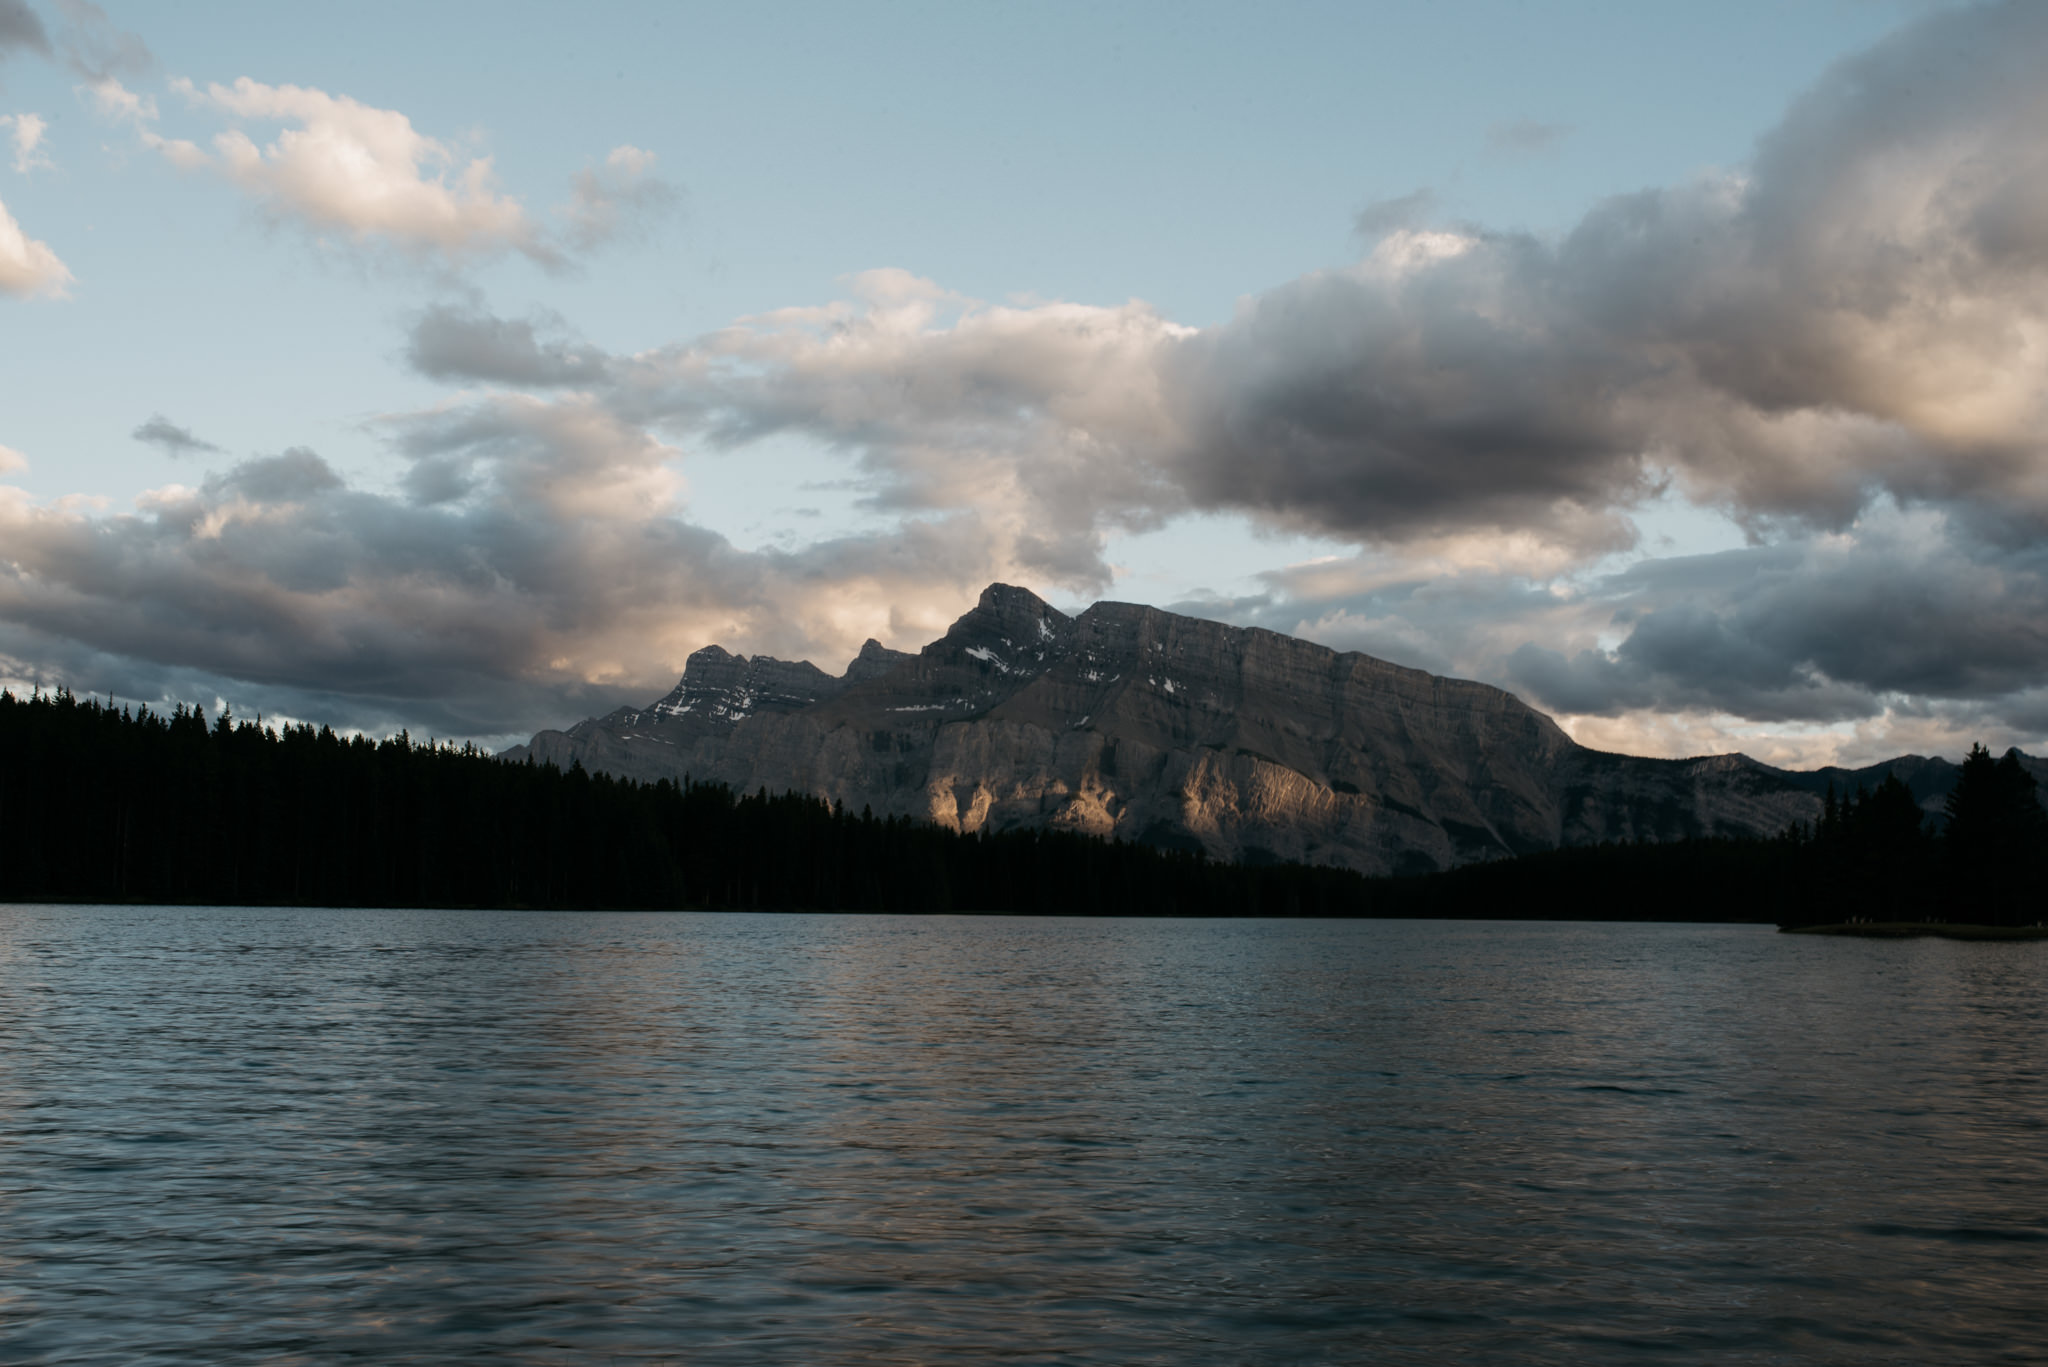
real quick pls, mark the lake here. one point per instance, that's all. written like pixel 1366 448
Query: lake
pixel 311 1136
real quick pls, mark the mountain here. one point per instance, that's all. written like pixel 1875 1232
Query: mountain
pixel 1189 734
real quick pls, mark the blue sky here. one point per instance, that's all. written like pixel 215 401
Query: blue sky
pixel 1181 154
pixel 965 201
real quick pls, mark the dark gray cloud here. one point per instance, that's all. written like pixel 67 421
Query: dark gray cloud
pixel 451 342
pixel 170 438
pixel 1363 405
pixel 2027 712
pixel 1823 631
pixel 21 30
pixel 97 49
pixel 296 475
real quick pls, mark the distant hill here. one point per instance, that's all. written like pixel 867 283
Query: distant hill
pixel 1930 779
pixel 1188 734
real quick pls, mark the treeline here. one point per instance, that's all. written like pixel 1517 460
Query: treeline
pixel 103 803
pixel 1872 855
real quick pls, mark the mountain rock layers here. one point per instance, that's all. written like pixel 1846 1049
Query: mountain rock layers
pixel 1175 731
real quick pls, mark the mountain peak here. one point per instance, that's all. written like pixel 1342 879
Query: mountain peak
pixel 874 660
pixel 1010 622
pixel 1009 597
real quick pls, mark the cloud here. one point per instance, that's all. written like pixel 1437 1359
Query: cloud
pixel 1823 646
pixel 1838 345
pixel 170 438
pixel 1420 392
pixel 117 102
pixel 1525 137
pixel 448 342
pixel 1903 632
pixel 1861 313
pixel 366 178
pixel 98 50
pixel 1375 403
pixel 1029 418
pixel 1864 311
pixel 532 566
pixel 21 30
pixel 366 174
pixel 619 199
pixel 1855 318
pixel 1826 630
pixel 28 267
pixel 1045 419
pixel 26 133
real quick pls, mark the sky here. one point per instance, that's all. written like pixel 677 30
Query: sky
pixel 465 367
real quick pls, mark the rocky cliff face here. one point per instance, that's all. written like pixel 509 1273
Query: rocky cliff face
pixel 1175 731
pixel 717 693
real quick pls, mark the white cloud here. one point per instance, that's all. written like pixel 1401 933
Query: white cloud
pixel 1045 419
pixel 339 166
pixel 12 461
pixel 1946 731
pixel 363 175
pixel 26 132
pixel 28 267
pixel 117 102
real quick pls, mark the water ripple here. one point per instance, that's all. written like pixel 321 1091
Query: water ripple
pixel 235 1136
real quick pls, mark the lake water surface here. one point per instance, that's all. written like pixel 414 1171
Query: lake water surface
pixel 232 1135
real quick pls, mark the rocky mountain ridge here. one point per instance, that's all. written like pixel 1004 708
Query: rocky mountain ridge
pixel 1130 721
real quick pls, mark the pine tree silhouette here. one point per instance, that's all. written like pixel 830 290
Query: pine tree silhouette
pixel 1995 837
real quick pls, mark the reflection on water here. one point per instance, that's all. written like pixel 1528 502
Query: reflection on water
pixel 313 1136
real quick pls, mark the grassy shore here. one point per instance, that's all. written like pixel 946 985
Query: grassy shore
pixel 1897 930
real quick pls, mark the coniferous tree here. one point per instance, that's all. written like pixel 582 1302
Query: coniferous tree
pixel 1995 838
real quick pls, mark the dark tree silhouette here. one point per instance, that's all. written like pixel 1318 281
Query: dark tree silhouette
pixel 1995 838
pixel 98 803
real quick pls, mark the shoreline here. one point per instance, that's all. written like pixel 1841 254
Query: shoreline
pixel 1902 930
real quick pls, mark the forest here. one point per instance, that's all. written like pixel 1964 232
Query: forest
pixel 104 804
pixel 99 803
pixel 1871 856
